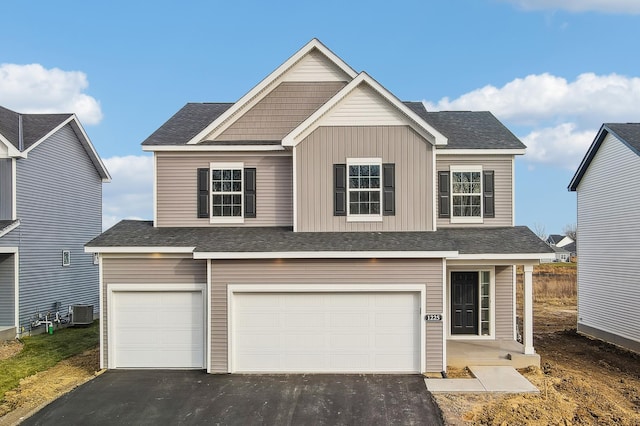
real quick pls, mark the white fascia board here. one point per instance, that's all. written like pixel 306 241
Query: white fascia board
pixel 507 256
pixel 123 250
pixel 210 147
pixel 12 151
pixel 9 250
pixel 326 255
pixel 270 79
pixel 8 229
pixel 521 151
pixel 422 127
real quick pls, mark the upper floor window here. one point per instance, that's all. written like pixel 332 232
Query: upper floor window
pixel 465 194
pixel 227 192
pixel 365 188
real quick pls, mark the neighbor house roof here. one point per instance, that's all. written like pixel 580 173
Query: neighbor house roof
pixel 463 129
pixel 23 132
pixel 627 133
pixel 554 238
pixel 506 241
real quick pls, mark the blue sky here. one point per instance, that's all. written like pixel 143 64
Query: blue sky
pixel 551 70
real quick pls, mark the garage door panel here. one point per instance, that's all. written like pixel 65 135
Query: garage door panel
pixel 154 329
pixel 320 332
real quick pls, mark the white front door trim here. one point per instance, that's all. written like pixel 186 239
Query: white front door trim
pixel 323 288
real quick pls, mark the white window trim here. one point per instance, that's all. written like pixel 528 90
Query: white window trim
pixel 492 304
pixel 364 217
pixel 226 219
pixel 66 257
pixel 466 219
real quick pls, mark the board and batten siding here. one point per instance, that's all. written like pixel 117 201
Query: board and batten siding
pixel 59 204
pixel 6 189
pixel 176 188
pixel 504 302
pixel 149 270
pixel 609 245
pixel 326 146
pixel 502 166
pixel 338 271
pixel 282 110
pixel 7 290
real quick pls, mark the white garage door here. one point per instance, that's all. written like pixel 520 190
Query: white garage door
pixel 158 329
pixel 326 332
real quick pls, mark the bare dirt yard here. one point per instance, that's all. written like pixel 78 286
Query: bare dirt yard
pixel 582 381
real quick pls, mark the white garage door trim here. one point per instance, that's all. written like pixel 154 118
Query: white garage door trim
pixel 152 288
pixel 321 288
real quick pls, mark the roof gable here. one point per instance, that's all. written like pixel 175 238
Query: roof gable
pixel 314 62
pixel 381 108
pixel 626 133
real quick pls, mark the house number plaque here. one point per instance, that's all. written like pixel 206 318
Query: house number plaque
pixel 433 317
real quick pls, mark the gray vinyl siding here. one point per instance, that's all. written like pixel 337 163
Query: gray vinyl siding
pixel 338 271
pixel 609 243
pixel 326 146
pixel 147 270
pixel 6 189
pixel 504 302
pixel 274 116
pixel 176 190
pixel 7 290
pixel 59 204
pixel 502 165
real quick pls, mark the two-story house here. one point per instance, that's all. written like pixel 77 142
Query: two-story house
pixel 319 224
pixel 50 206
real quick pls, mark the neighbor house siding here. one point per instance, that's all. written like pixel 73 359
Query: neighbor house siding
pixel 341 271
pixel 59 204
pixel 152 270
pixel 609 243
pixel 504 302
pixel 7 290
pixel 326 146
pixel 176 188
pixel 502 166
pixel 6 189
pixel 273 117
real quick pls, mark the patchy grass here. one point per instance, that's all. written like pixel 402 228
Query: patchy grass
pixel 44 351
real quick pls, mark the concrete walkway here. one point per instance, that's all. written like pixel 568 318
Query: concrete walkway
pixel 487 379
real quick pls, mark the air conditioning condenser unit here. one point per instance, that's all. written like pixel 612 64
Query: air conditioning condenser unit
pixel 81 314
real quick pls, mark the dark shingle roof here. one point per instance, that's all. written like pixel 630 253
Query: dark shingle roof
pixel 554 238
pixel 34 126
pixel 507 240
pixel 186 123
pixel 5 224
pixel 627 133
pixel 463 129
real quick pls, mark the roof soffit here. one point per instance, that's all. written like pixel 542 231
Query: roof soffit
pixel 313 53
pixel 385 103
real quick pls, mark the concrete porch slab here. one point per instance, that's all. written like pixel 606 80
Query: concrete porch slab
pixel 487 379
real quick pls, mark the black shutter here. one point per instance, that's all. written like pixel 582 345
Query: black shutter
pixel 443 195
pixel 250 192
pixel 203 193
pixel 339 189
pixel 389 189
pixel 488 191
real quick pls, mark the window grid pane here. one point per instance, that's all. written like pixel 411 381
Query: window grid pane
pixel 226 189
pixel 364 189
pixel 485 320
pixel 464 186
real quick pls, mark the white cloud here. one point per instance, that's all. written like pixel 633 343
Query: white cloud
pixel 605 6
pixel 35 89
pixel 557 119
pixel 129 195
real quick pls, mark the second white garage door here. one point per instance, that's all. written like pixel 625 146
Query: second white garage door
pixel 157 329
pixel 326 332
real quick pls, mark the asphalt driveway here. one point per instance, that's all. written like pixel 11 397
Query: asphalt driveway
pixel 193 397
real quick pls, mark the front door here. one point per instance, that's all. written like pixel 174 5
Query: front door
pixel 464 303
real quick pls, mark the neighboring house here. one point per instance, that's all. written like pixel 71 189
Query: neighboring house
pixel 50 206
pixel 609 243
pixel 571 249
pixel 319 224
pixel 561 255
pixel 556 240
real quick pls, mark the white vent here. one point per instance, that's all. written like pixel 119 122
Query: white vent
pixel 81 314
